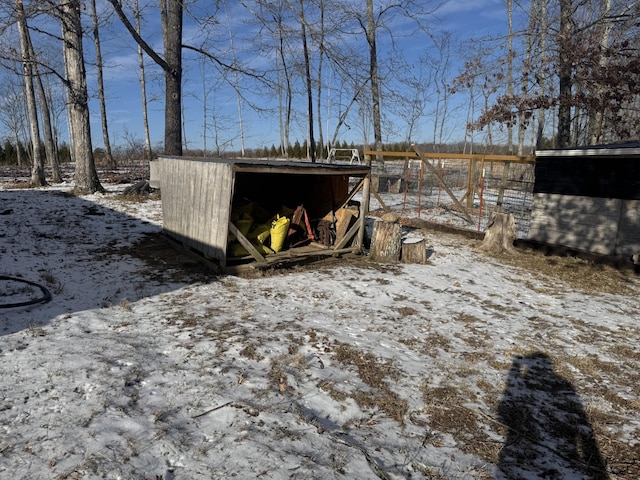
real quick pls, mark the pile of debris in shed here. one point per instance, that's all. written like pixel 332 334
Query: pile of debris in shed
pixel 271 232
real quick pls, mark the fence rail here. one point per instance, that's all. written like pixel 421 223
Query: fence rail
pixel 461 190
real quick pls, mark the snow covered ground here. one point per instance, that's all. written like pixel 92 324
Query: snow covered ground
pixel 145 366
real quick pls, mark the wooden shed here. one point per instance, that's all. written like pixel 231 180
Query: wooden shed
pixel 227 210
pixel 588 199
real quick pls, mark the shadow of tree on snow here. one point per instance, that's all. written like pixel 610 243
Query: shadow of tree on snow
pixel 87 255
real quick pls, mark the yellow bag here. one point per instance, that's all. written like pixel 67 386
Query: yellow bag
pixel 279 231
pixel 243 223
pixel 259 237
pixel 236 249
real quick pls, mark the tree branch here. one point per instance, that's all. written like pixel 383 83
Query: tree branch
pixel 117 5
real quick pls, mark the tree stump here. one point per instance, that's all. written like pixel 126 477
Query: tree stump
pixel 386 242
pixel 500 234
pixel 414 251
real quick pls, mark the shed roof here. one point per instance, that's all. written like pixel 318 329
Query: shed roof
pixel 627 149
pixel 282 166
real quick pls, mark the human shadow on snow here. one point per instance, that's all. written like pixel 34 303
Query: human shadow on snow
pixel 80 251
pixel 549 435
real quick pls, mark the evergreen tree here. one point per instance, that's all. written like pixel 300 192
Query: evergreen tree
pixel 296 151
pixel 10 156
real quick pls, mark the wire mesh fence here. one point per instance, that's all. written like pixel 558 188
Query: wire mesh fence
pixel 461 192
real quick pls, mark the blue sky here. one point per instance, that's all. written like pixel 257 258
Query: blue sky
pixel 463 18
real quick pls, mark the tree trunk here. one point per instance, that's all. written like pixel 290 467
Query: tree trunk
pixel 143 89
pixel 49 138
pixel 386 242
pixel 236 87
pixel 500 234
pixel 307 69
pixel 542 72
pixel 85 172
pixel 565 68
pixel 288 94
pixel 103 106
pixel 18 149
pixel 597 118
pixel 37 166
pixel 524 79
pixel 375 82
pixel 171 13
pixel 320 151
pixel 53 156
pixel 510 70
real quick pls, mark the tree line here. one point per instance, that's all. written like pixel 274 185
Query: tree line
pixel 564 73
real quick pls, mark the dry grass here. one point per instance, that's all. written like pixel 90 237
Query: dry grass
pixel 577 273
pixel 18 184
pixel 377 375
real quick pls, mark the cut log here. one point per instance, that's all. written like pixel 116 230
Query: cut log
pixel 500 234
pixel 414 251
pixel 140 188
pixel 386 242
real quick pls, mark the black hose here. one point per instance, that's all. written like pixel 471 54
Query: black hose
pixel 46 295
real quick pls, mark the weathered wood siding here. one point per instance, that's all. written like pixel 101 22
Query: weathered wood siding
pixel 589 203
pixel 154 174
pixel 583 223
pixel 196 203
pixel 629 233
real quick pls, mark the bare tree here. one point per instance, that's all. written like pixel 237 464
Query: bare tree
pixel 143 85
pixel 236 84
pixel 285 95
pixel 307 69
pixel 100 79
pixel 565 78
pixel 371 20
pixel 320 35
pixel 47 127
pixel 441 73
pixel 37 167
pixel 542 72
pixel 370 31
pixel 510 55
pixel 12 112
pixel 171 15
pixel 171 20
pixel 86 175
pixel 595 87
